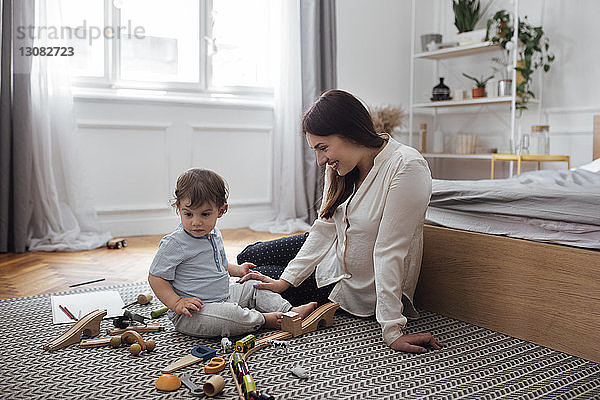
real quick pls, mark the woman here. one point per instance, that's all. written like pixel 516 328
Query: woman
pixel 367 243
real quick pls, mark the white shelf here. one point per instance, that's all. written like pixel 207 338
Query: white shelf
pixel 469 102
pixel 459 51
pixel 452 155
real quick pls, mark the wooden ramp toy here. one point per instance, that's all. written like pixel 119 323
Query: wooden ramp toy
pixel 88 325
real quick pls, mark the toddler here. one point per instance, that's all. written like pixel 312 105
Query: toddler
pixel 190 272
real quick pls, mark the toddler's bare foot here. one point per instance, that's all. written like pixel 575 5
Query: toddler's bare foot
pixel 273 320
pixel 306 309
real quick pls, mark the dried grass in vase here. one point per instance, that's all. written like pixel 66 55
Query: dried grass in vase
pixel 387 118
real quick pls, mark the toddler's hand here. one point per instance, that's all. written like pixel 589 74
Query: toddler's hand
pixel 245 268
pixel 185 304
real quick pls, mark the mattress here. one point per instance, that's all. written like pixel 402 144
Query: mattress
pixel 560 207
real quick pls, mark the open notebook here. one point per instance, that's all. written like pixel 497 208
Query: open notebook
pixel 81 304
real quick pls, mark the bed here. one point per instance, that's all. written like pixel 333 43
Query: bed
pixel 543 283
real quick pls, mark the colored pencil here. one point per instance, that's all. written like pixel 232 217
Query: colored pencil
pixel 66 312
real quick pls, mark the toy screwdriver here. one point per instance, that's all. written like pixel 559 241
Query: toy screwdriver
pixel 143 298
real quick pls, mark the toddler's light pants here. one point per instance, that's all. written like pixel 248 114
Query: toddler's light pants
pixel 241 313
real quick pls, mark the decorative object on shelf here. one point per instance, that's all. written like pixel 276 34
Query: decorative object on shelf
pixel 479 89
pixel 466 144
pixel 423 132
pixel 428 39
pixel 540 139
pixel 491 88
pixel 505 87
pixel 387 118
pixel 503 67
pixel 533 51
pixel 466 15
pixel 440 92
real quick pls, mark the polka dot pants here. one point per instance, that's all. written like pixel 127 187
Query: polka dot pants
pixel 273 256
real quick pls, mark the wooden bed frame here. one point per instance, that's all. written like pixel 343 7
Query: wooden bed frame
pixel 548 294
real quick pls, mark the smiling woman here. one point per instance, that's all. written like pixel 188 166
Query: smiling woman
pixel 365 249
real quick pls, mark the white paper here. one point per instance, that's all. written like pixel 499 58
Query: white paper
pixel 81 304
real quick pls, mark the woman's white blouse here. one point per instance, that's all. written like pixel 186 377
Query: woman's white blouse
pixel 380 229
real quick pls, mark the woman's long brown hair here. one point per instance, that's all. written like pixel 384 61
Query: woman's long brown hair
pixel 339 113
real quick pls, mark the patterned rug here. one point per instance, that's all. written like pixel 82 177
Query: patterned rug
pixel 347 361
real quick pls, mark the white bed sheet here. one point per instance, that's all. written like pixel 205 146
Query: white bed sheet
pixel 540 230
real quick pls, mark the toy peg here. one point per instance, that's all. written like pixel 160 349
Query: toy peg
pixel 88 325
pixel 135 328
pixel 214 385
pixel 292 323
pixel 114 341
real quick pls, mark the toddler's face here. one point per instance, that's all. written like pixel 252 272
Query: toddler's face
pixel 200 221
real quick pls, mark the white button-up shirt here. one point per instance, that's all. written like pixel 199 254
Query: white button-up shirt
pixel 373 245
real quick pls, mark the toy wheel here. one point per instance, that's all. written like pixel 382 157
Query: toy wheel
pixel 119 245
pixel 124 243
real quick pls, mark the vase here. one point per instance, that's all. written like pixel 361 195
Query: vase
pixel 440 92
pixel 505 87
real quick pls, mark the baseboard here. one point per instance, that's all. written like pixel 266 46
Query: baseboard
pixel 156 222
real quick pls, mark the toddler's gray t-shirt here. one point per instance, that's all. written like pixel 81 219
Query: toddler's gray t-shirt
pixel 195 267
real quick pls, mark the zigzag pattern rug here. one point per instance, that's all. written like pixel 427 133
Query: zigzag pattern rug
pixel 347 361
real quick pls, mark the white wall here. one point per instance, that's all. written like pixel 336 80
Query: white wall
pixel 373 62
pixel 134 150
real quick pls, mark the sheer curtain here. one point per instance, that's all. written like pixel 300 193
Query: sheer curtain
pixel 288 178
pixel 63 217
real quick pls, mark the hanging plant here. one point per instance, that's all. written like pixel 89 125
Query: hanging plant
pixel 532 52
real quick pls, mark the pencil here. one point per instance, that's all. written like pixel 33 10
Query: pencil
pixel 85 283
pixel 66 312
pixel 72 316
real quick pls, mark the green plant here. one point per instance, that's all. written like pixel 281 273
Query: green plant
pixel 467 13
pixel 532 52
pixel 480 83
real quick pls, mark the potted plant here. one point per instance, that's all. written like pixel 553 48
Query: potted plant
pixel 479 89
pixel 502 66
pixel 466 15
pixel 533 51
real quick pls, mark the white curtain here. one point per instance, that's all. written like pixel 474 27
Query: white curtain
pixel 63 216
pixel 289 193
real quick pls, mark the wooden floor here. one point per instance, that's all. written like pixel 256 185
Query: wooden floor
pixel 40 272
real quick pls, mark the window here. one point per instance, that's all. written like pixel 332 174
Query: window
pixel 211 45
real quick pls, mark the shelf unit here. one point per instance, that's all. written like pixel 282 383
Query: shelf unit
pixel 461 51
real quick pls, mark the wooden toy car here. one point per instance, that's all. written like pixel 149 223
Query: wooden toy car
pixel 116 243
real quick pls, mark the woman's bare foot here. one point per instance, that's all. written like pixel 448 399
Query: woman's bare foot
pixel 272 320
pixel 306 309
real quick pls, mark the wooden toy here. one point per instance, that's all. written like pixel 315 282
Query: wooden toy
pixel 319 317
pixel 114 341
pixel 245 344
pixel 143 298
pixel 157 313
pixel 88 325
pixel 167 382
pixel 214 385
pixel 116 243
pixel 137 342
pixel 216 364
pixel 292 323
pixel 226 345
pixel 187 381
pixel 135 328
pixel 197 354
pixel 130 337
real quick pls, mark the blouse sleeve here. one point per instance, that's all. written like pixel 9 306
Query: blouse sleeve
pixel 405 206
pixel 320 238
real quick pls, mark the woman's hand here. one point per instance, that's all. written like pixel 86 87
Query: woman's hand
pixel 271 284
pixel 185 304
pixel 408 343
